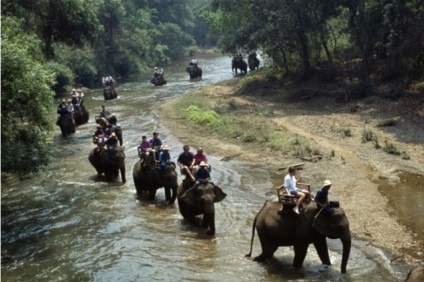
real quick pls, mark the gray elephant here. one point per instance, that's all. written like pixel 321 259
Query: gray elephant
pixel 416 274
pixel 109 162
pixel 194 71
pixel 148 178
pixel 291 229
pixel 199 200
pixel 109 92
pixel 81 115
pixel 239 63
pixel 66 124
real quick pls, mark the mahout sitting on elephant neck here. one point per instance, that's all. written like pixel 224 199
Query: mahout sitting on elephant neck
pixel 300 231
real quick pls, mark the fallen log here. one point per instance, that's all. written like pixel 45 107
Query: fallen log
pixel 226 159
pixel 295 165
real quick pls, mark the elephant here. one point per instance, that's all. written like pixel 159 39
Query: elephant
pixel 81 115
pixel 109 92
pixel 111 120
pixel 199 200
pixel 194 71
pixel 416 274
pixel 66 124
pixel 290 229
pixel 109 162
pixel 253 61
pixel 239 63
pixel 158 80
pixel 148 178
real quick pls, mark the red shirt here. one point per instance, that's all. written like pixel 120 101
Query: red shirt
pixel 199 157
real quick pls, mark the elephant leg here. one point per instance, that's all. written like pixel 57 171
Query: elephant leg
pixel 268 248
pixel 300 250
pixel 122 170
pixel 152 194
pixel 167 193
pixel 320 244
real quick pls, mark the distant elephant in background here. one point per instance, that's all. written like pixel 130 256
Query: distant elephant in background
pixel 416 274
pixel 253 61
pixel 200 200
pixel 149 178
pixel 239 63
pixel 109 162
pixel 109 92
pixel 81 115
pixel 194 71
pixel 158 80
pixel 291 229
pixel 66 124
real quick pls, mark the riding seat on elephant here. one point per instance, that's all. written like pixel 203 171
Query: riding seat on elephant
pixel 199 200
pixel 300 230
pixel 114 122
pixel 81 114
pixel 109 92
pixel 149 177
pixel 238 63
pixel 109 162
pixel 66 124
pixel 253 61
pixel 194 71
pixel 158 80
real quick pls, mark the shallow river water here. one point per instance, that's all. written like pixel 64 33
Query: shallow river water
pixel 69 225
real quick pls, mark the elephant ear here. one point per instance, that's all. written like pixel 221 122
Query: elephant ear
pixel 219 194
pixel 189 197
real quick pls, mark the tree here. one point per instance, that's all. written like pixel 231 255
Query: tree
pixel 26 101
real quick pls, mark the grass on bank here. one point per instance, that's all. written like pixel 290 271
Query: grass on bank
pixel 245 123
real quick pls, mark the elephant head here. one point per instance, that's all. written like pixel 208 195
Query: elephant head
pixel 148 178
pixel 290 229
pixel 194 71
pixel 199 200
pixel 81 115
pixel 109 162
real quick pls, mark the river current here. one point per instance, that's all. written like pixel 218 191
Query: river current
pixel 67 224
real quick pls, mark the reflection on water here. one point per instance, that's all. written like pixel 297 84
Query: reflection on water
pixel 68 224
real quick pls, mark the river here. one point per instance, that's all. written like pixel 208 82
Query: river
pixel 69 225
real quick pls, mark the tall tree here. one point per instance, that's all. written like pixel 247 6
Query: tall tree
pixel 26 101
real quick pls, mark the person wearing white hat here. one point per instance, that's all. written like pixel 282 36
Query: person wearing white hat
pixel 164 157
pixel 202 174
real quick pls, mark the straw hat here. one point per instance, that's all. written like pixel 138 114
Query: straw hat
pixel 165 148
pixel 327 183
pixel 202 163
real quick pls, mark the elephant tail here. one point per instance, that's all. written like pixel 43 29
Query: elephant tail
pixel 253 231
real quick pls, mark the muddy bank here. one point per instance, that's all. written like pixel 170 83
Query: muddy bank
pixel 358 170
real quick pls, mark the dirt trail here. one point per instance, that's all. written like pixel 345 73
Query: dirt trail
pixel 353 167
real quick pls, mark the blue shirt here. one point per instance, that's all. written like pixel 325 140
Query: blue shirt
pixel 202 174
pixel 322 196
pixel 164 156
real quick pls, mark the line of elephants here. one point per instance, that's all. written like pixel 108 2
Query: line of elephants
pixel 274 228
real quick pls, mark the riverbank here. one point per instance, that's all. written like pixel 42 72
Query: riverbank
pixel 263 123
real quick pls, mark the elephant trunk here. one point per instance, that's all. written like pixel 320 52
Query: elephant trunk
pixel 174 195
pixel 347 242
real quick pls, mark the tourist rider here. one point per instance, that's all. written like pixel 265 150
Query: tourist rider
pixel 290 183
pixel 156 144
pixel 186 162
pixel 199 157
pixel 112 142
pixel 144 144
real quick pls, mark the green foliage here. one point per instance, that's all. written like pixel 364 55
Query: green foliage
pixel 26 101
pixel 204 117
pixel 368 135
pixel 390 148
pixel 64 75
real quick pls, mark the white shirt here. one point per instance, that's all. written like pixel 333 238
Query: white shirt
pixel 290 182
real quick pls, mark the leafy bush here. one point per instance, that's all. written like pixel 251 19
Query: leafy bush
pixel 368 135
pixel 387 122
pixel 64 75
pixel 390 148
